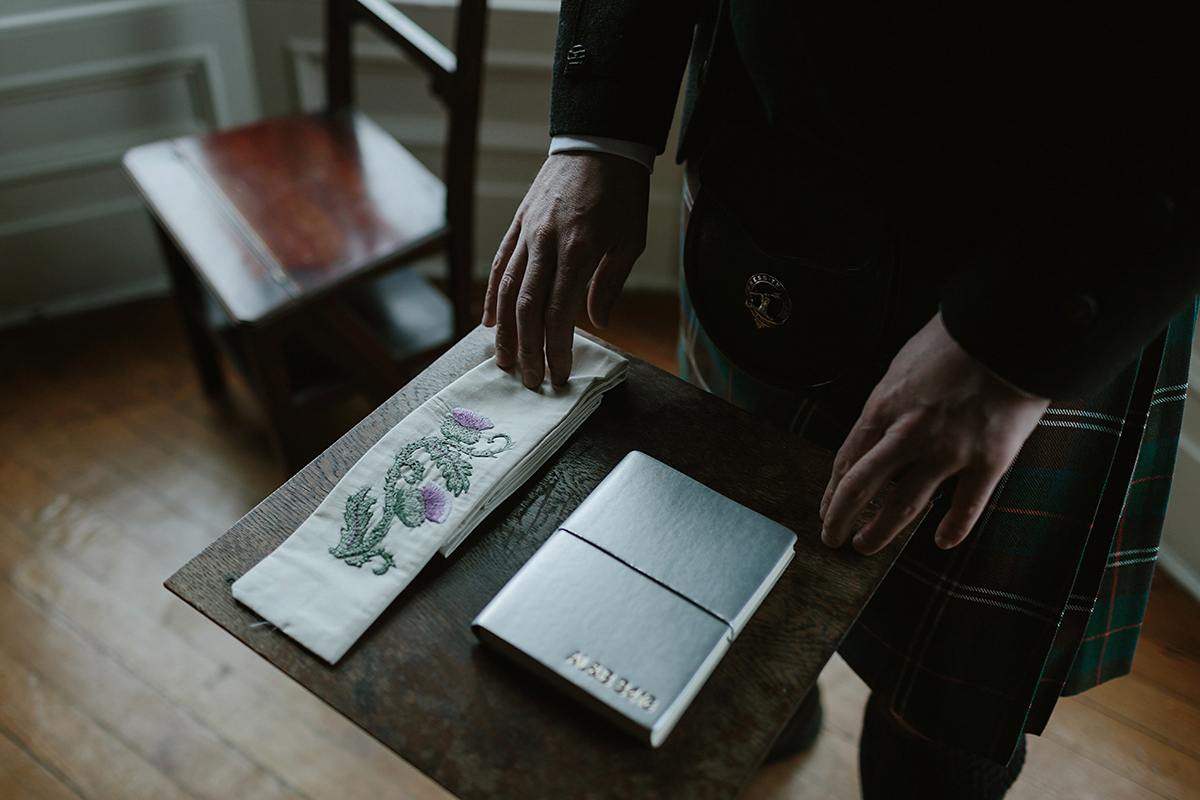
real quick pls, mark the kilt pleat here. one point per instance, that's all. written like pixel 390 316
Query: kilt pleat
pixel 974 645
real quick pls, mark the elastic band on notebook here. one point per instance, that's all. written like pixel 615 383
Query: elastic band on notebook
pixel 676 592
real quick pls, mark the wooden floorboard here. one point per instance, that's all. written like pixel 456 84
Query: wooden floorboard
pixel 55 732
pixel 157 729
pixel 115 469
pixel 21 775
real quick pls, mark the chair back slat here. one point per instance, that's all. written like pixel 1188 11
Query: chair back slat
pixel 339 73
pixel 461 153
pixel 428 52
pixel 452 75
pixel 456 79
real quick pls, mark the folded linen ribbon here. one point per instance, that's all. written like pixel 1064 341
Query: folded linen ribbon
pixel 423 487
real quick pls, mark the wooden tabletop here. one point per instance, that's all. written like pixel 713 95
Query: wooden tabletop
pixel 419 681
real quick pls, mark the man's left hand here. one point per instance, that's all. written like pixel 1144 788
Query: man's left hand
pixel 936 414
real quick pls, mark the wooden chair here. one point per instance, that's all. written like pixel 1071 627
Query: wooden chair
pixel 282 238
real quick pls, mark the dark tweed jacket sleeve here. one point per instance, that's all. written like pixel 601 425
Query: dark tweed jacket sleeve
pixel 618 66
pixel 1061 309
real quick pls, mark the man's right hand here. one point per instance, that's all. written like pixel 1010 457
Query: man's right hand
pixel 584 215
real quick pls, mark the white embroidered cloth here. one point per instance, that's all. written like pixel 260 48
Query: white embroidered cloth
pixel 423 487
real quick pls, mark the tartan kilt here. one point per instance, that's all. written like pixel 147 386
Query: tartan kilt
pixel 974 645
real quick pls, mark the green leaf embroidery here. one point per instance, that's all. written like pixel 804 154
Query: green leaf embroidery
pixel 450 453
pixel 357 517
pixel 450 459
pixel 357 546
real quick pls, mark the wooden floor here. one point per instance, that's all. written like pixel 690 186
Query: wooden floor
pixel 114 470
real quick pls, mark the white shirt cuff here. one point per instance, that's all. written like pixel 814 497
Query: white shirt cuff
pixel 635 151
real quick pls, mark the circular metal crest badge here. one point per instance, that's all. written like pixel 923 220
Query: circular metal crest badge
pixel 768 300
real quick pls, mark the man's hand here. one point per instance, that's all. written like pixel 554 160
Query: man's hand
pixel 937 413
pixel 584 214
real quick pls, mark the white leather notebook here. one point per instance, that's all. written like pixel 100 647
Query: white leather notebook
pixel 631 604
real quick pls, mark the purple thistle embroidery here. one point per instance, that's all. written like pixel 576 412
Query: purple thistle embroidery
pixel 437 503
pixel 472 419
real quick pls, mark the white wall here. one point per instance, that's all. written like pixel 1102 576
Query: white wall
pixel 1180 554
pixel 81 82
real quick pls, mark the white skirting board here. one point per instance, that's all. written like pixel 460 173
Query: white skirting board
pixel 1179 569
pixel 134 290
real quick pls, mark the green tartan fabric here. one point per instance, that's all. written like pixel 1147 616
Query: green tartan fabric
pixel 1111 632
pixel 973 646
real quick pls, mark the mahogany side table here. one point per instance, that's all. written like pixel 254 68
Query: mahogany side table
pixel 419 681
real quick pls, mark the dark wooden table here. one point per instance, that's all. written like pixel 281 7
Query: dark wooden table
pixel 420 682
